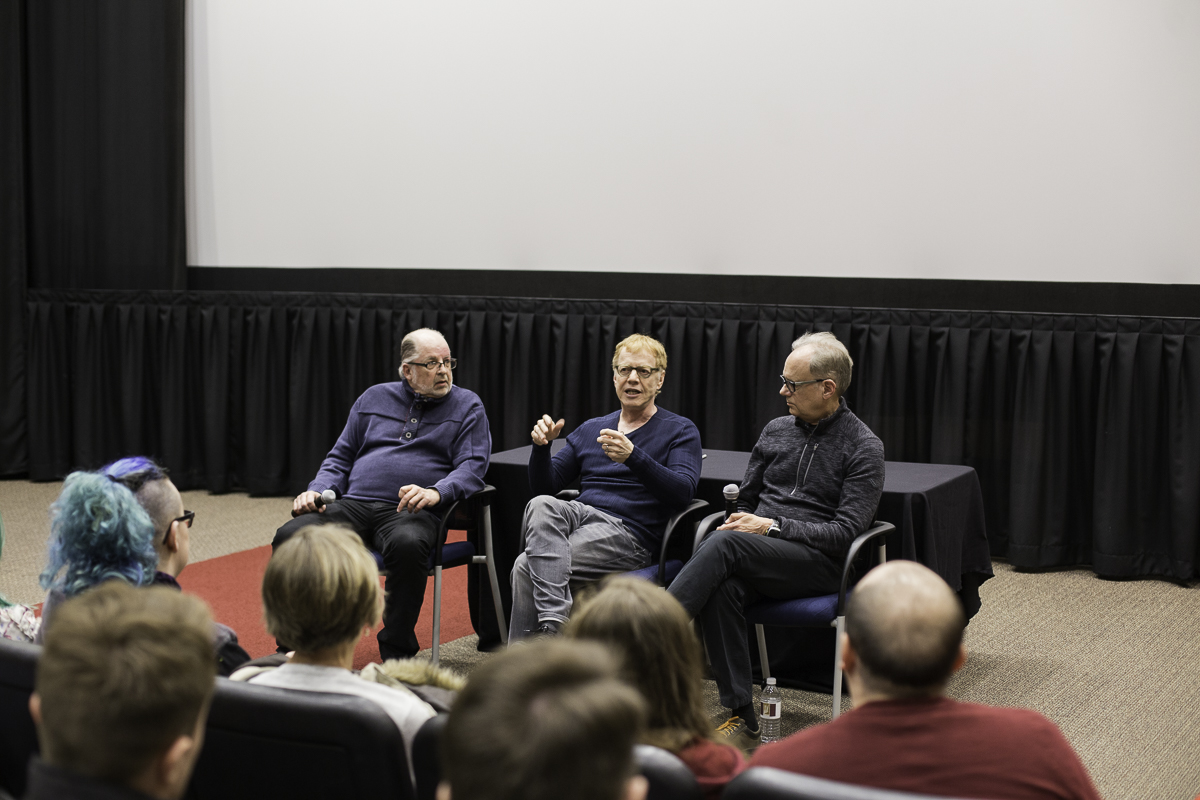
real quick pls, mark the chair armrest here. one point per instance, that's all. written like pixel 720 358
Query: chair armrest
pixel 477 501
pixel 707 526
pixel 876 531
pixel 691 512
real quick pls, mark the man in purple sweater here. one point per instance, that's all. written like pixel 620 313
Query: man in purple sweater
pixel 813 483
pixel 421 439
pixel 637 467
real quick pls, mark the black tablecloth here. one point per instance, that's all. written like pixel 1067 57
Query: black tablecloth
pixel 937 510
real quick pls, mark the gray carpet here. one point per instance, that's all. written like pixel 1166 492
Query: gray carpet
pixel 1116 664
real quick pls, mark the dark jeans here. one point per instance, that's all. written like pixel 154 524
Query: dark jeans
pixel 731 570
pixel 405 541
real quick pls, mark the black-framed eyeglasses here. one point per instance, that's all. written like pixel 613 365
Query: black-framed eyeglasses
pixel 792 386
pixel 432 364
pixel 643 372
pixel 188 518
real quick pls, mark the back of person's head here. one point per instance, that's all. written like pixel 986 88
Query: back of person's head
pixel 549 720
pixel 98 531
pixel 321 588
pixel 661 655
pixel 906 626
pixel 828 358
pixel 125 676
pixel 150 484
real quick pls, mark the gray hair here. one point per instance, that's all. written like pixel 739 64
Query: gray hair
pixel 409 344
pixel 829 359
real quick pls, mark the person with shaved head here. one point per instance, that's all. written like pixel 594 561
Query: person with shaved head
pixel 903 641
pixel 420 440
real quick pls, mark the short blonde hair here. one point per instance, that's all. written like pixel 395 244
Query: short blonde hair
pixel 829 358
pixel 641 343
pixel 320 588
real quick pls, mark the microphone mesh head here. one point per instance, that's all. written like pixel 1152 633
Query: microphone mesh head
pixel 329 495
pixel 731 491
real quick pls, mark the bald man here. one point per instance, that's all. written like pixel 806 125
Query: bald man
pixel 421 441
pixel 903 641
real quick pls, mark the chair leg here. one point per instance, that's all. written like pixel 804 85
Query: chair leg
pixel 437 612
pixel 837 668
pixel 883 553
pixel 486 523
pixel 763 658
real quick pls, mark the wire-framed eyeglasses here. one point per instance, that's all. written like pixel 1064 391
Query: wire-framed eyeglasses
pixel 792 386
pixel 433 364
pixel 624 371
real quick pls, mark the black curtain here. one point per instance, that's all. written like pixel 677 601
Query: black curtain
pixel 91 164
pixel 1082 428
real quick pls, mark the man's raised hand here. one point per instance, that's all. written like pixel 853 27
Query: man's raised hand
pixel 546 430
pixel 413 498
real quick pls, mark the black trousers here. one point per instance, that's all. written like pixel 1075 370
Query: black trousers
pixel 405 541
pixel 731 570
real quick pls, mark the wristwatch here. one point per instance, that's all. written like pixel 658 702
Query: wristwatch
pixel 774 529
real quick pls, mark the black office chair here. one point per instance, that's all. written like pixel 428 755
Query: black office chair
pixel 427 755
pixel 764 783
pixel 810 612
pixel 677 544
pixel 266 742
pixel 18 737
pixel 669 778
pixel 474 513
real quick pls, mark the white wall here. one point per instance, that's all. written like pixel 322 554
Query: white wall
pixel 1023 139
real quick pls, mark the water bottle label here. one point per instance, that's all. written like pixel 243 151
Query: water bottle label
pixel 770 709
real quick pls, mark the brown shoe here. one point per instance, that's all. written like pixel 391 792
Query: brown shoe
pixel 736 732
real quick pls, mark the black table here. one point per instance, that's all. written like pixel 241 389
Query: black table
pixel 937 510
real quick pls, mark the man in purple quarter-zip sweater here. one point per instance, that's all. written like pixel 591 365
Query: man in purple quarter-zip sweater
pixel 421 439
pixel 813 483
pixel 637 467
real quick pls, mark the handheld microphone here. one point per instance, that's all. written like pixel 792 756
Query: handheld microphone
pixel 731 492
pixel 326 497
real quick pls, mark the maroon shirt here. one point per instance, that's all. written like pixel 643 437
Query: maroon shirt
pixel 938 746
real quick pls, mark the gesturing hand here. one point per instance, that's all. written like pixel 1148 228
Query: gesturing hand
pixel 413 498
pixel 746 523
pixel 615 444
pixel 546 430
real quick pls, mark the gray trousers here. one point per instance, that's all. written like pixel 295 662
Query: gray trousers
pixel 729 571
pixel 566 543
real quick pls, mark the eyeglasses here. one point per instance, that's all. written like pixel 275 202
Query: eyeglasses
pixel 187 518
pixel 643 372
pixel 792 386
pixel 432 364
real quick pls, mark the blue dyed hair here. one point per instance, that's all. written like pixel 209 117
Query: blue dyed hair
pixel 134 472
pixel 98 531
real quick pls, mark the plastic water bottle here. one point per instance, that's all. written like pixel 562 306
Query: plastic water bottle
pixel 770 702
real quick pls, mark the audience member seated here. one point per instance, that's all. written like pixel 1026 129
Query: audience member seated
pixel 421 439
pixel 813 483
pixel 17 622
pixel 661 659
pixel 637 467
pixel 98 532
pixel 903 640
pixel 321 592
pixel 157 494
pixel 549 721
pixel 123 687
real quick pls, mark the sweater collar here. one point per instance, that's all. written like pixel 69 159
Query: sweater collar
pixel 825 424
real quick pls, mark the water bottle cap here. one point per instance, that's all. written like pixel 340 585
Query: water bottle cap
pixel 770 681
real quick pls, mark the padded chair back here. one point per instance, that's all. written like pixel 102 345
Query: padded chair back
pixel 764 783
pixel 427 756
pixel 18 737
pixel 266 742
pixel 669 778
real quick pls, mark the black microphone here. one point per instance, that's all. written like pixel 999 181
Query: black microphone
pixel 326 497
pixel 730 491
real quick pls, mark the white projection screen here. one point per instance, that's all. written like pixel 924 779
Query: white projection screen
pixel 1016 140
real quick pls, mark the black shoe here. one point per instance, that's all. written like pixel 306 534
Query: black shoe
pixel 547 630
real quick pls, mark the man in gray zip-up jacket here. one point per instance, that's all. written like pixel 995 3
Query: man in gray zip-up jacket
pixel 813 483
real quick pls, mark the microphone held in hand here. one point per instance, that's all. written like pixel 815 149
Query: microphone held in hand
pixel 326 497
pixel 731 492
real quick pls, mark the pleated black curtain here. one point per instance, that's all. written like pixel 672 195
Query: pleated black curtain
pixel 92 161
pixel 1081 428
